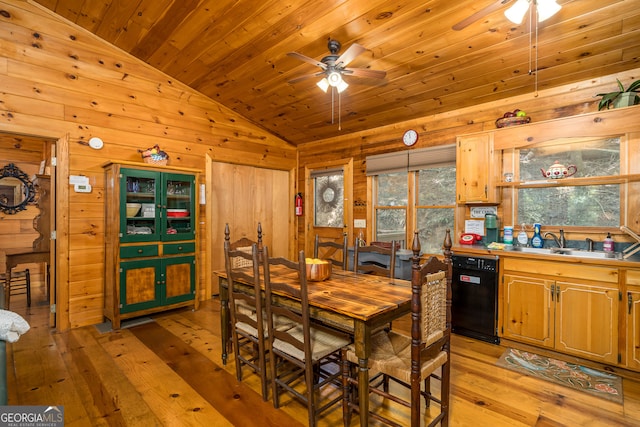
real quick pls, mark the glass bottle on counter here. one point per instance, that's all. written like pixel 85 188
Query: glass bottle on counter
pixel 536 240
pixel 523 238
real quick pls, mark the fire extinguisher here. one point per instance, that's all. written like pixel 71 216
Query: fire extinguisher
pixel 299 204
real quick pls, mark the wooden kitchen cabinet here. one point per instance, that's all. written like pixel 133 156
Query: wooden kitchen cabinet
pixel 528 310
pixel 575 315
pixel 150 247
pixel 476 166
pixel 631 305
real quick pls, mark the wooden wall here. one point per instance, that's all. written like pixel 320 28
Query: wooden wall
pixel 59 80
pixel 443 128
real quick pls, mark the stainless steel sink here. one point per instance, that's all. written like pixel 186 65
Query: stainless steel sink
pixel 539 251
pixel 580 253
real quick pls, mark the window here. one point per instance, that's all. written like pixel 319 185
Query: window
pixel 429 207
pixel 436 190
pixel 590 201
pixel 391 207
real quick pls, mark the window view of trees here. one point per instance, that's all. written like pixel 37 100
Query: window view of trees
pixel 436 203
pixel 571 205
pixel 432 208
pixel 391 210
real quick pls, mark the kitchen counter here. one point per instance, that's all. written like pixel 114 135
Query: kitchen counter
pixel 481 250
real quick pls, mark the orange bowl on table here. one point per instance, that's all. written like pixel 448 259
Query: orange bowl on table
pixel 318 269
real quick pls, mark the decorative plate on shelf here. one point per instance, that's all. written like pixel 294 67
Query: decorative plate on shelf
pixel 512 121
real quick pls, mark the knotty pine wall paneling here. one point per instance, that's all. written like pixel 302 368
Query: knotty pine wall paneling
pixel 441 129
pixel 59 80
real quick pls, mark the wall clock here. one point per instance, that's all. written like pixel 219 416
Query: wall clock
pixel 410 137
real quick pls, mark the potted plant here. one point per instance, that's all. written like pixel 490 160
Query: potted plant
pixel 622 98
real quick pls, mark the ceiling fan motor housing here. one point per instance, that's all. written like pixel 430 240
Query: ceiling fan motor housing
pixel 334 46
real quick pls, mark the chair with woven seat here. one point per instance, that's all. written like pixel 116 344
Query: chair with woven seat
pixel 300 357
pixel 247 324
pixel 330 250
pixel 243 244
pixel 412 361
pixel 363 265
pixel 20 284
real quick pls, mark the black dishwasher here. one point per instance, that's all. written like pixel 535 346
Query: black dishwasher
pixel 474 306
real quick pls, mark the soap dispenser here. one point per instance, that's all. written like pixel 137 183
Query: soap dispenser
pixel 536 240
pixel 523 238
pixel 607 245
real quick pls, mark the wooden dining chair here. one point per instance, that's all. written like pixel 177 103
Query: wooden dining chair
pixel 244 244
pixel 245 306
pixel 335 252
pixel 364 264
pixel 413 360
pixel 300 357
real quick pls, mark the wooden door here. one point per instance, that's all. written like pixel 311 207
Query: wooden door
pixel 529 309
pixel 243 196
pixel 587 321
pixel 328 203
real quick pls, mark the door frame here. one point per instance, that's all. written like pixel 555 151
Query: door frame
pixel 309 228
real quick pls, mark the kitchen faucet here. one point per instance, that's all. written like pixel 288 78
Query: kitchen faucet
pixel 561 242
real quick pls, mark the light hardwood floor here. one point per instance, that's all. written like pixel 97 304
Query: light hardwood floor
pixel 169 372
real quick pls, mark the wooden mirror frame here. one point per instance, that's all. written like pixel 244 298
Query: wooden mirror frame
pixel 25 188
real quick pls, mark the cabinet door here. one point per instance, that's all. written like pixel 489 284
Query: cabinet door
pixel 178 221
pixel 473 169
pixel 140 284
pixel 140 205
pixel 528 309
pixel 633 326
pixel 587 321
pixel 179 279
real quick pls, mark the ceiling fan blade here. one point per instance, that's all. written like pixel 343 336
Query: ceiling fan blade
pixel 349 55
pixel 365 72
pixel 311 61
pixel 480 14
pixel 305 77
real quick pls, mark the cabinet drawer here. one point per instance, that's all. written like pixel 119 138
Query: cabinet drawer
pixel 562 270
pixel 179 248
pixel 633 277
pixel 138 251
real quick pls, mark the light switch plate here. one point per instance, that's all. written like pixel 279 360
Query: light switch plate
pixel 359 223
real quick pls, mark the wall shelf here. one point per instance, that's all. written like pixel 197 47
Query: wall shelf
pixel 572 182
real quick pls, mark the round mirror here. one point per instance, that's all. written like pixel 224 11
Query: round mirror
pixel 16 190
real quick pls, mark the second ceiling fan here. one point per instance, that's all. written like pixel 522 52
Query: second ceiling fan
pixel 544 10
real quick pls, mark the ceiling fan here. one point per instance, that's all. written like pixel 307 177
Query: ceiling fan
pixel 334 67
pixel 544 10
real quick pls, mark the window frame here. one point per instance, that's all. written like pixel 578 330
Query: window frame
pixel 416 160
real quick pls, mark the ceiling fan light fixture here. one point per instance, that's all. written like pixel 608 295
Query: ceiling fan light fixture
pixel 342 86
pixel 323 85
pixel 334 78
pixel 546 9
pixel 516 12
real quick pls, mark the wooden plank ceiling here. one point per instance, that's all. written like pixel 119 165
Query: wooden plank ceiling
pixel 234 51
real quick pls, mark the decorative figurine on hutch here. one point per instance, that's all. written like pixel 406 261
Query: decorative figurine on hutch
pixel 559 171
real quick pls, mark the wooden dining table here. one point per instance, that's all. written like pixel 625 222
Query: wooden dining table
pixel 355 303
